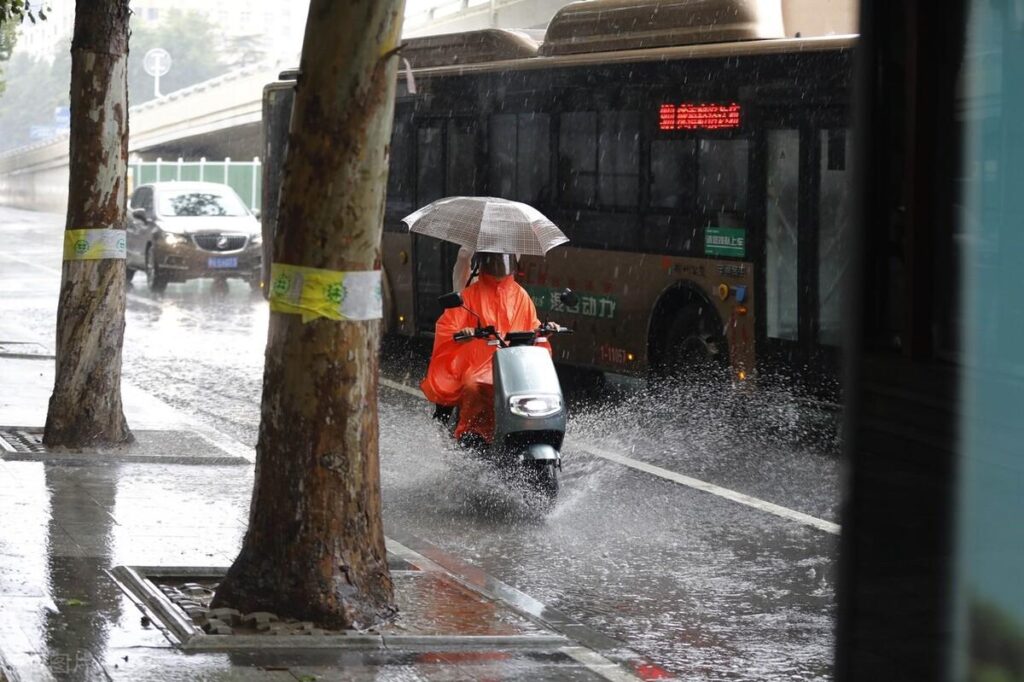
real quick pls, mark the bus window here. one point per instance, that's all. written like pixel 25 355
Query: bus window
pixel 618 165
pixel 502 156
pixel 781 208
pixel 606 173
pixel 834 217
pixel 461 158
pixel 429 180
pixel 533 169
pixel 400 194
pixel 577 158
pixel 722 181
pixel 673 167
pixel 519 157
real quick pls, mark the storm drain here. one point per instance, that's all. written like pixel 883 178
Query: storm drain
pixel 164 447
pixel 22 440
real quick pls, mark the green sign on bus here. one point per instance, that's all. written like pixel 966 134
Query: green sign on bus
pixel 725 241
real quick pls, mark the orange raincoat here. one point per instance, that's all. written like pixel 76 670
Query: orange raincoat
pixel 460 372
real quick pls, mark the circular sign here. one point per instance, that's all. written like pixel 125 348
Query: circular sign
pixel 157 61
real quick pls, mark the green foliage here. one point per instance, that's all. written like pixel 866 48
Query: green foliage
pixel 997 644
pixel 12 13
pixel 15 11
pixel 8 37
pixel 34 89
pixel 192 42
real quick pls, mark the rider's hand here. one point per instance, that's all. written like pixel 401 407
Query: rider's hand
pixel 467 333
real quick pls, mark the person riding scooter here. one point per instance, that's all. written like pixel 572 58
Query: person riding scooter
pixel 460 371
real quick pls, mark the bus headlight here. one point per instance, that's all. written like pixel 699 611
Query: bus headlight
pixel 535 405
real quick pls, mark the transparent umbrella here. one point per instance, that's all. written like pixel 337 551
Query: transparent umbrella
pixel 487 224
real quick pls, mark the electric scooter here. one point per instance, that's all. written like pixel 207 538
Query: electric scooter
pixel 529 410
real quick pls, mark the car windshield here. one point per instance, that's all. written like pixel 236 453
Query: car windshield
pixel 200 204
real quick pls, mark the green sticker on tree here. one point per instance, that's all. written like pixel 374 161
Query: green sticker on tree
pixel 725 241
pixel 94 244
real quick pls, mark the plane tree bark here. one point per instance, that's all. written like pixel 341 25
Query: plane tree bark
pixel 314 548
pixel 85 407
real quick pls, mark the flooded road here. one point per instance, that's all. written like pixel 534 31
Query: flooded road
pixel 699 584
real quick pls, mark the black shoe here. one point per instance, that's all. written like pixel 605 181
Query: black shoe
pixel 472 441
pixel 443 413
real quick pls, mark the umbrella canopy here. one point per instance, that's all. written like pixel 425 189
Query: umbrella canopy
pixel 487 224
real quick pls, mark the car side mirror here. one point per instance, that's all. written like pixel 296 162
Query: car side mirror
pixel 451 300
pixel 569 298
pixel 140 214
pixel 256 213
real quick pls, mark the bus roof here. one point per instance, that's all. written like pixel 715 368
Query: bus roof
pixel 612 25
pixel 469 47
pixel 659 54
pixel 628 31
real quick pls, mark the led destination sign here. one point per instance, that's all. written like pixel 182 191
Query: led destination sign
pixel 692 116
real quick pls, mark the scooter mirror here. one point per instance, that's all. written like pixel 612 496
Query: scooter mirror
pixel 569 298
pixel 450 300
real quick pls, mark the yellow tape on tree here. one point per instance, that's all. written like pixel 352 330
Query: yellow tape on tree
pixel 312 293
pixel 94 244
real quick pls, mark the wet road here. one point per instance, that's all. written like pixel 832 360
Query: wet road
pixel 702 585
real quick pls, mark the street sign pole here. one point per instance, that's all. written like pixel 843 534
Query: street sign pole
pixel 156 63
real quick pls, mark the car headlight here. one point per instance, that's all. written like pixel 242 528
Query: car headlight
pixel 172 239
pixel 256 239
pixel 535 405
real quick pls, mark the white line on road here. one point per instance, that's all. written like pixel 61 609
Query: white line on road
pixel 688 481
pixel 46 268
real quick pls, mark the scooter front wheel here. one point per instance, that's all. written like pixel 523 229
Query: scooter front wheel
pixel 543 479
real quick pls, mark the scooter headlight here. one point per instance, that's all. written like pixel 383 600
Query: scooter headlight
pixel 535 405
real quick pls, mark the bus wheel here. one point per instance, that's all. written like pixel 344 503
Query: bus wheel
pixel 693 347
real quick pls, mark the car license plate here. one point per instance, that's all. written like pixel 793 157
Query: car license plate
pixel 224 262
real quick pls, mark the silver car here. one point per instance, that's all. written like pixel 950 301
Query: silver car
pixel 186 230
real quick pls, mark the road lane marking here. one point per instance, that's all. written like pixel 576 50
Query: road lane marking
pixel 726 493
pixel 688 481
pixel 141 300
pixel 404 388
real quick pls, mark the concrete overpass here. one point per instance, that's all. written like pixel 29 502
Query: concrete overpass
pixel 216 119
pixel 221 117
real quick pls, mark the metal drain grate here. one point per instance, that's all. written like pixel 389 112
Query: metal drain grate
pixel 21 443
pixel 29 441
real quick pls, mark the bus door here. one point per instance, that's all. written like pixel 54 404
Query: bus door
pixel 807 214
pixel 446 165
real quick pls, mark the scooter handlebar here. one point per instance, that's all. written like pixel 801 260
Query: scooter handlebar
pixel 480 333
pixel 549 328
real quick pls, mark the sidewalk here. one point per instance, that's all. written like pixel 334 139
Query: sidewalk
pixel 105 558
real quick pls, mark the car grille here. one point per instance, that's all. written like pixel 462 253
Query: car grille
pixel 220 242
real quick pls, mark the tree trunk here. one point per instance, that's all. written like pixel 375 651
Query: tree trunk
pixel 314 549
pixel 85 407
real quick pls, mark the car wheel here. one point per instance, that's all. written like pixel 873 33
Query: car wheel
pixel 255 284
pixel 155 278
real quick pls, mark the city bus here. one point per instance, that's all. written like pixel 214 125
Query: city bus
pixel 699 166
